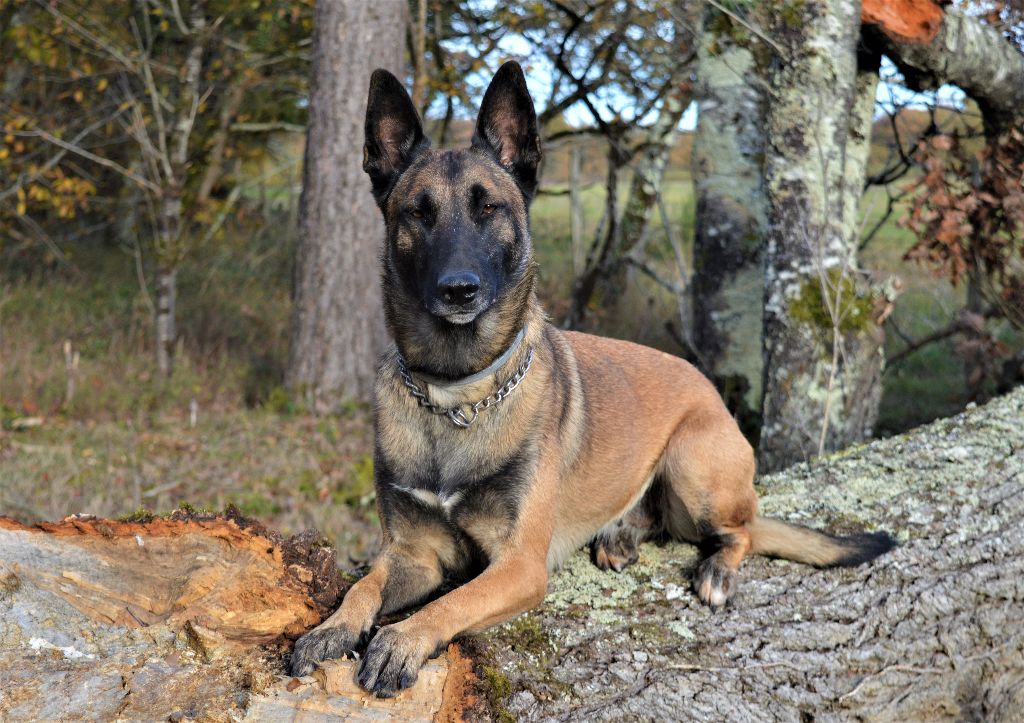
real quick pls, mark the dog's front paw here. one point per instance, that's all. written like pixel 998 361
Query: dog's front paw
pixel 393 660
pixel 320 644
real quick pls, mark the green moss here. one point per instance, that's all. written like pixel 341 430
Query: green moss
pixel 812 305
pixel 647 632
pixel 497 689
pixel 790 12
pixel 525 634
pixel 142 515
pixel 194 510
pixel 722 26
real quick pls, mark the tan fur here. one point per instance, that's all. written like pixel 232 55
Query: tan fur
pixel 777 539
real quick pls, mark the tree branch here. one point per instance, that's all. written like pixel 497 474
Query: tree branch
pixel 105 162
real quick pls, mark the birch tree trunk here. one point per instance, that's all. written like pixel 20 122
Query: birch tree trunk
pixel 338 326
pixel 649 169
pixel 822 347
pixel 170 225
pixel 728 150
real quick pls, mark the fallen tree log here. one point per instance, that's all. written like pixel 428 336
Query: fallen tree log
pixel 95 625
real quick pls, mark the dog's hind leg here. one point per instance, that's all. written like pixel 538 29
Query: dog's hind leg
pixel 708 470
pixel 617 545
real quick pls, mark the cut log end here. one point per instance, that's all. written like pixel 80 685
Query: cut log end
pixel 904 21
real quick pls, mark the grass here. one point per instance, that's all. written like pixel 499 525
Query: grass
pixel 293 472
pixel 125 440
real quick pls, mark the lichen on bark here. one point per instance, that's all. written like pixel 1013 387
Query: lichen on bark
pixel 728 153
pixel 820 392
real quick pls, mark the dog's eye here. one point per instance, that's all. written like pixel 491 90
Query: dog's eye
pixel 417 214
pixel 488 209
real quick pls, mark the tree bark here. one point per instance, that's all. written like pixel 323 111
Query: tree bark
pixel 338 325
pixel 576 207
pixel 170 224
pixel 728 153
pixel 158 618
pixel 929 632
pixel 967 53
pixel 166 308
pixel 822 347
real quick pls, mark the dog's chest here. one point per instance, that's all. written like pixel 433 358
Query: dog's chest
pixel 454 478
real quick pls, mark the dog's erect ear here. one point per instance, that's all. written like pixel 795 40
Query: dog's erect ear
pixel 507 127
pixel 393 133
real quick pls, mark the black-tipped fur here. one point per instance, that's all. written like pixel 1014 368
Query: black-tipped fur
pixel 507 127
pixel 394 134
pixel 864 547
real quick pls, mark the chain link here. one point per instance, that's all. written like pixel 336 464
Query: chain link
pixel 456 415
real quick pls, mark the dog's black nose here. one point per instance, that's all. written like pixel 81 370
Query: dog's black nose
pixel 459 287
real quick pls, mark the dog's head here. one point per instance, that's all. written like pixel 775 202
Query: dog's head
pixel 458 238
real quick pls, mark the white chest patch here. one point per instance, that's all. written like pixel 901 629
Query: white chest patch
pixel 444 502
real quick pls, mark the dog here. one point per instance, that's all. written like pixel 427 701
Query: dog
pixel 503 444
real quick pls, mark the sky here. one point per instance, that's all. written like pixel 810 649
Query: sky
pixel 540 74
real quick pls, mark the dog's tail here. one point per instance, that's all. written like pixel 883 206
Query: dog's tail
pixel 802 544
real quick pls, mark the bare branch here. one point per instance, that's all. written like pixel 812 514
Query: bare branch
pixel 105 162
pixel 268 127
pixel 22 181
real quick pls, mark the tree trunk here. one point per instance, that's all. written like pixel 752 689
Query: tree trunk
pixel 929 632
pixel 168 235
pixel 649 174
pixel 576 207
pixel 419 58
pixel 171 247
pixel 599 257
pixel 161 618
pixel 338 326
pixel 166 333
pixel 728 153
pixel 822 347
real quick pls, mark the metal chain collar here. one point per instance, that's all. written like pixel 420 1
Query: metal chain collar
pixel 456 415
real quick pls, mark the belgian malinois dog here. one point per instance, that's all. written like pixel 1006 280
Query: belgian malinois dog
pixel 504 444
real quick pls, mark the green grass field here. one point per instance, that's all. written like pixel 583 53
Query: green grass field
pixel 125 440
